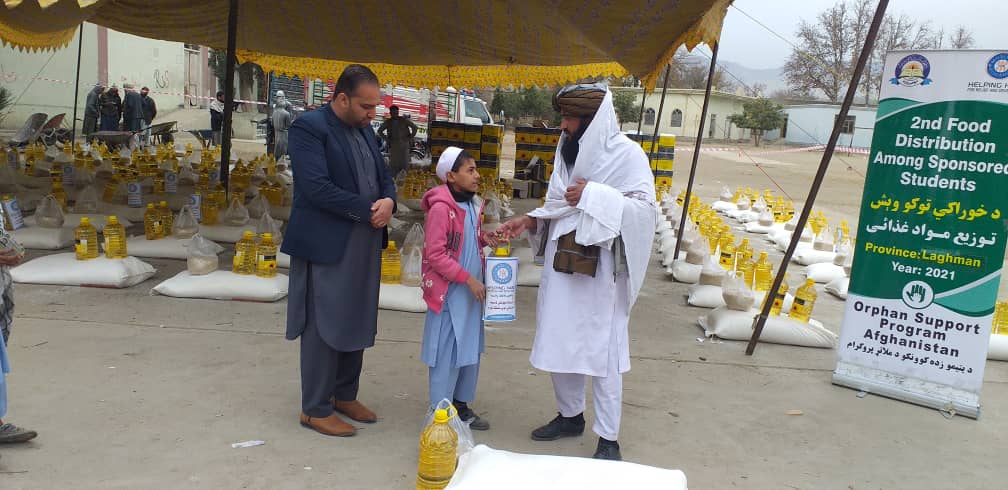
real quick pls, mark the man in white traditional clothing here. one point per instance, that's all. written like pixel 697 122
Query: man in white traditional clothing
pixel 594 234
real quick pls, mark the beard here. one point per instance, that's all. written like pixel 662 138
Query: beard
pixel 572 143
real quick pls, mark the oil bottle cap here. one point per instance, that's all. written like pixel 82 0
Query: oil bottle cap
pixel 248 234
pixel 267 236
pixel 85 220
pixel 112 220
pixel 440 416
pixel 150 205
pixel 164 204
pixel 391 245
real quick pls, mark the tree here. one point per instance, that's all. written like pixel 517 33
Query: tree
pixel 827 50
pixel 759 115
pixel 960 38
pixel 627 108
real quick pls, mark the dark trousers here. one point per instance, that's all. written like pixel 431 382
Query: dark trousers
pixel 110 123
pixel 326 373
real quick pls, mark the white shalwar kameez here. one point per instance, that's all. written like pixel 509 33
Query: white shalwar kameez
pixel 582 321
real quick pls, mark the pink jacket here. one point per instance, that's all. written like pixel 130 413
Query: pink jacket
pixel 443 236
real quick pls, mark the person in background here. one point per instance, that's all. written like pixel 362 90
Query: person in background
pixel 453 289
pixel 344 198
pixel 132 109
pixel 281 123
pixel 111 109
pixel 10 256
pixel 92 110
pixel 399 133
pixel 149 109
pixel 217 116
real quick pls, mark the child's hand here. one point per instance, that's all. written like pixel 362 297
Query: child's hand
pixel 491 238
pixel 477 288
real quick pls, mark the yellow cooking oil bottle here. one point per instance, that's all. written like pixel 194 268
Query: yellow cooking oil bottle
pixel 167 218
pixel 114 236
pixel 778 301
pixel 745 269
pixel 763 273
pixel 503 249
pixel 60 195
pixel 110 190
pixel 391 264
pixel 438 449
pixel 1000 323
pixel 208 212
pixel 244 261
pixel 805 298
pixel 153 225
pixel 266 256
pixel 86 240
pixel 727 258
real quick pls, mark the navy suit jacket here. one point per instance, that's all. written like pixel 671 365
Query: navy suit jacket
pixel 327 203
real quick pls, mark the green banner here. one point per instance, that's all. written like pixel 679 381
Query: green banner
pixel 932 230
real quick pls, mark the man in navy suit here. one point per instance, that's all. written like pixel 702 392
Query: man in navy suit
pixel 344 196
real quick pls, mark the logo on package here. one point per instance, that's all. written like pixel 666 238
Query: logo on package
pixel 502 273
pixel 912 71
pixel 997 67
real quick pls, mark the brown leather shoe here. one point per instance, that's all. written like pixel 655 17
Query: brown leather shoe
pixel 330 426
pixel 355 410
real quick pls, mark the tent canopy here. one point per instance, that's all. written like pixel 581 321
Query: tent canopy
pixel 478 43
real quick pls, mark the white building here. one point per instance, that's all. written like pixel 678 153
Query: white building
pixel 811 124
pixel 43 81
pixel 681 114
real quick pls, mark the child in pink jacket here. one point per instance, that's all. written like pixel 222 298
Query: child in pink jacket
pixel 452 285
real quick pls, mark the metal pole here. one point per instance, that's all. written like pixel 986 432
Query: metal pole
pixel 852 88
pixel 696 150
pixel 80 44
pixel 640 118
pixel 661 106
pixel 229 94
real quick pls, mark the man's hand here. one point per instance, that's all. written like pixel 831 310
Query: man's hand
pixel 477 288
pixel 573 194
pixel 9 258
pixel 514 227
pixel 381 212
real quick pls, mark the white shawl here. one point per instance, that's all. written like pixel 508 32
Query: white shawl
pixel 619 200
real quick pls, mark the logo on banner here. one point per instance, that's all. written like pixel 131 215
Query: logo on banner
pixel 918 295
pixel 997 67
pixel 502 273
pixel 912 70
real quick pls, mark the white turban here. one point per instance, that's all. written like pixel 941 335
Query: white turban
pixel 447 161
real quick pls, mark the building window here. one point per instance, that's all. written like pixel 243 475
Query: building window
pixel 649 116
pixel 848 125
pixel 676 119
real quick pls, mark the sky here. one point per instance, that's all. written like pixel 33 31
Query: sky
pixel 783 16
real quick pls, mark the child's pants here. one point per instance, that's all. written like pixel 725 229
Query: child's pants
pixel 448 381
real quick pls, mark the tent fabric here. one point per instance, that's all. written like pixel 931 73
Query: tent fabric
pixel 432 76
pixel 640 35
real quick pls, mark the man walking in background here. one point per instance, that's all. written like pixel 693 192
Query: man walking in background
pixel 399 132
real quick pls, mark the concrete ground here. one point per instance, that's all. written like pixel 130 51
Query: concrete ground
pixel 129 390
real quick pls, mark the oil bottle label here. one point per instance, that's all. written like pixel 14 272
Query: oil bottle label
pixel 12 212
pixel 134 195
pixel 68 174
pixel 12 160
pixel 171 182
pixel 196 204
